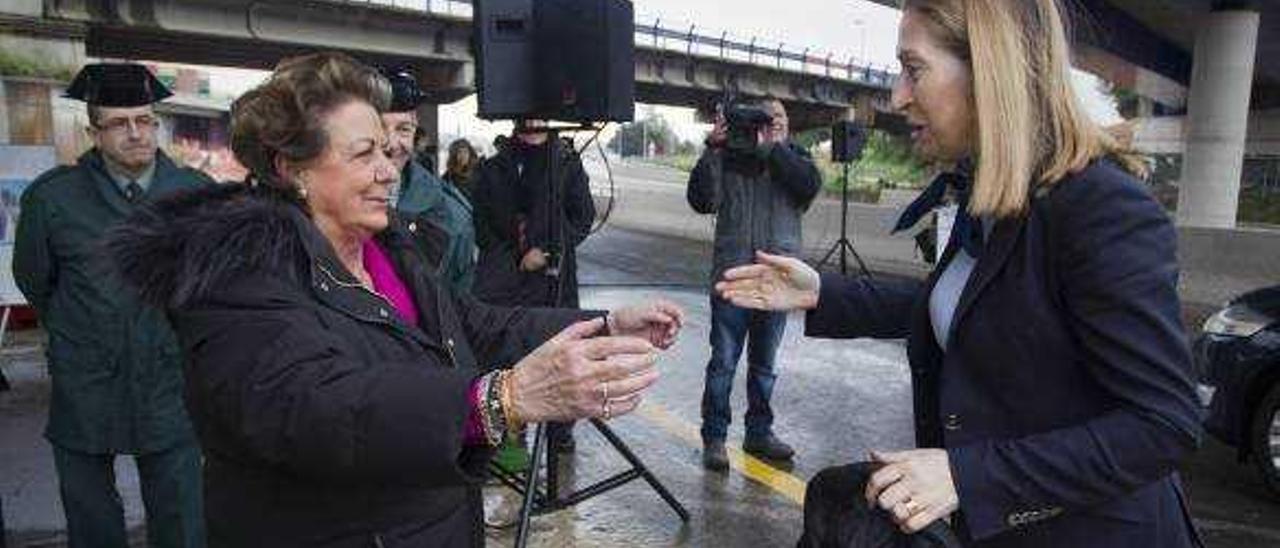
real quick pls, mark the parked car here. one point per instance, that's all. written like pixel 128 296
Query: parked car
pixel 1238 356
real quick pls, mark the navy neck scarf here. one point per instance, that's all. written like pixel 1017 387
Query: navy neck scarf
pixel 967 229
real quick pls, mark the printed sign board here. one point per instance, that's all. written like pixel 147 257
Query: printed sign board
pixel 19 165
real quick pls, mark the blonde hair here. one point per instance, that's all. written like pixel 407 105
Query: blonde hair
pixel 1030 128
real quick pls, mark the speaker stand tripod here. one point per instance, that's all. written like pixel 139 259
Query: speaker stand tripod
pixel 844 245
pixel 540 501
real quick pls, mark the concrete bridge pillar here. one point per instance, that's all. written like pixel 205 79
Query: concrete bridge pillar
pixel 1217 119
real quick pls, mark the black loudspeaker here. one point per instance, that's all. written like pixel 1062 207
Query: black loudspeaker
pixel 847 140
pixel 586 59
pixel 504 38
pixel 566 60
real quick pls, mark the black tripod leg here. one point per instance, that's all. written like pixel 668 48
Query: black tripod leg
pixel 861 264
pixel 827 257
pixel 640 467
pixel 553 470
pixel 531 485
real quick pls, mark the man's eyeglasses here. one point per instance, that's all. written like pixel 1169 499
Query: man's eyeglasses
pixel 121 124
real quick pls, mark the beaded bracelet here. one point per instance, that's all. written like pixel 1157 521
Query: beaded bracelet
pixel 497 416
pixel 492 417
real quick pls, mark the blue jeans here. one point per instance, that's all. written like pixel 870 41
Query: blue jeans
pixel 731 327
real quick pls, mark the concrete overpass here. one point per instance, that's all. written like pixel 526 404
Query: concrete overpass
pixel 1212 62
pixel 672 67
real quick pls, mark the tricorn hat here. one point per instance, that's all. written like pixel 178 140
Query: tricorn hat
pixel 116 85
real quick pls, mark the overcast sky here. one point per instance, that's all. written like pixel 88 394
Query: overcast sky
pixel 847 28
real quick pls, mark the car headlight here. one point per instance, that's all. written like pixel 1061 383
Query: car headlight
pixel 1236 321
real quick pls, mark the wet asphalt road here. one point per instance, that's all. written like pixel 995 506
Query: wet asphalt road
pixel 834 400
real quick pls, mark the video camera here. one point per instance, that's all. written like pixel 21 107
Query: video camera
pixel 743 122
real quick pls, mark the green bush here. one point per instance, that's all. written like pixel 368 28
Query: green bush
pixel 1259 205
pixel 887 163
pixel 14 64
pixel 683 162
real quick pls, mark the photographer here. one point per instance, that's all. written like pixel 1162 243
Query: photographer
pixel 758 184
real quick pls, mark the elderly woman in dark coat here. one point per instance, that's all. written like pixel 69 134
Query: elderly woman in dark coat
pixel 344 397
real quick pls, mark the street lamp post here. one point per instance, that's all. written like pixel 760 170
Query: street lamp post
pixel 862 40
pixel 644 138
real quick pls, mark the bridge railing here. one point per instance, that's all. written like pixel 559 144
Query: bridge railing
pixel 693 40
pixel 651 31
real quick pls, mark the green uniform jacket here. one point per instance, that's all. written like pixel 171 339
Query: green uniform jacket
pixel 425 195
pixel 115 363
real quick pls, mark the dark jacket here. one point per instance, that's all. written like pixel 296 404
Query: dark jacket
pixel 758 200
pixel 513 215
pixel 1065 399
pixel 115 365
pixel 460 181
pixel 424 197
pixel 325 420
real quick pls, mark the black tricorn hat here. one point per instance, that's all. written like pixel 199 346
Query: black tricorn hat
pixel 116 85
pixel 405 93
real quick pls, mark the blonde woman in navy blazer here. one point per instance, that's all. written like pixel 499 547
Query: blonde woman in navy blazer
pixel 1051 375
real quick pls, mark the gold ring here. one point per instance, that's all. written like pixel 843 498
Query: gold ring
pixel 604 390
pixel 912 507
pixel 608 413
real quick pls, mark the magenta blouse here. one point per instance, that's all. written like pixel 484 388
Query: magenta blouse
pixel 388 284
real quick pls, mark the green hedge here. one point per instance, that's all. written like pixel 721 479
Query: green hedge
pixel 1259 205
pixel 16 64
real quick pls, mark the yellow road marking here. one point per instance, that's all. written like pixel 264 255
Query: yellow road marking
pixel 755 469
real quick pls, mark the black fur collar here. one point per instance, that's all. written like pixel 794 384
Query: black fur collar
pixel 174 251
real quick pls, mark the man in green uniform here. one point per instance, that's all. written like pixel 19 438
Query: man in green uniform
pixel 423 196
pixel 115 364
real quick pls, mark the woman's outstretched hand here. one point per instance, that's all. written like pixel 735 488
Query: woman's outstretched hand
pixel 576 375
pixel 775 283
pixel 658 322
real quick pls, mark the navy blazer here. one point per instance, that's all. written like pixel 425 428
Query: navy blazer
pixel 1065 398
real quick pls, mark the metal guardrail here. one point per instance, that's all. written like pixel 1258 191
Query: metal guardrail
pixel 692 42
pixel 757 53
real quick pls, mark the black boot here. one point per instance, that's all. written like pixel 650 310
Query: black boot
pixel 714 456
pixel 768 448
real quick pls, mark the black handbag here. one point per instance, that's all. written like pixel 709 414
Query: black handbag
pixel 836 515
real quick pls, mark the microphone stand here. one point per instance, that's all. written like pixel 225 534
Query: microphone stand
pixel 541 501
